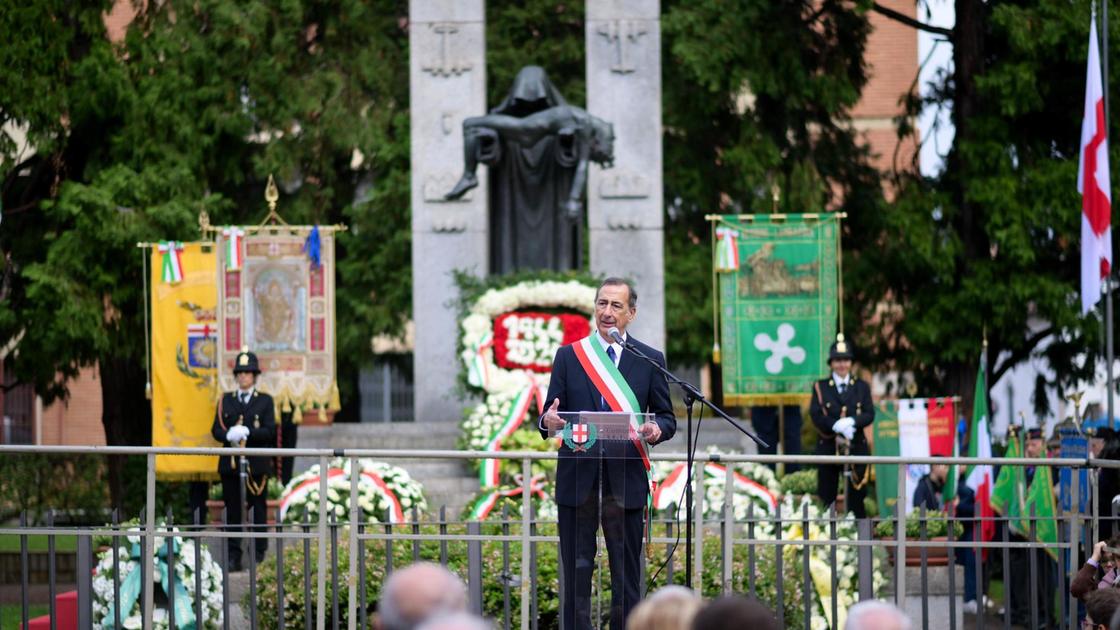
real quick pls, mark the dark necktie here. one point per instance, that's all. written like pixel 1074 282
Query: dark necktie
pixel 841 387
pixel 244 398
pixel 611 355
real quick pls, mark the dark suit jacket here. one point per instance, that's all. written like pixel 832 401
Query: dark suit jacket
pixel 576 473
pixel 830 406
pixel 259 416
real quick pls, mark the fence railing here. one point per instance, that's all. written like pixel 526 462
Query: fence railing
pixel 755 553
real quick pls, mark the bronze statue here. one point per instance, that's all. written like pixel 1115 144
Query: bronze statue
pixel 538 147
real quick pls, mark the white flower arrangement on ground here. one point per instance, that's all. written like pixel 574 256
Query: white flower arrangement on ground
pixel 751 484
pixel 386 493
pixel 185 569
pixel 821 562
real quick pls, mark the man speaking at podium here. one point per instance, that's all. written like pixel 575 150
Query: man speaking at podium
pixel 582 380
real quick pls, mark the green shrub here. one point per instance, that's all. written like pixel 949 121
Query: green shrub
pixel 77 484
pixel 799 483
pixel 494 575
pixel 937 524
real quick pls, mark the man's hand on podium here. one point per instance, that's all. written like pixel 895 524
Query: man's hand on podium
pixel 552 420
pixel 650 432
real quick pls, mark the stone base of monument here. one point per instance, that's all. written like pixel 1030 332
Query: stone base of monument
pixel 446 482
pixel 936 596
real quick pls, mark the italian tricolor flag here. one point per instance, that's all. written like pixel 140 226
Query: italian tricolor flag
pixel 979 478
pixel 172 265
pixel 234 250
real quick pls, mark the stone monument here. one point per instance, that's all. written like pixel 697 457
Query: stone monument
pixel 447 68
pixel 624 203
pixel 624 218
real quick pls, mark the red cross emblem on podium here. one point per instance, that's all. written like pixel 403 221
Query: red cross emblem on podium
pixel 580 433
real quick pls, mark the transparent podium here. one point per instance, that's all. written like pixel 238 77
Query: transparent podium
pixel 602 491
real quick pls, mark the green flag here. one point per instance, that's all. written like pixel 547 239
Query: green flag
pixel 949 491
pixel 886 444
pixel 778 304
pixel 1008 496
pixel 1040 497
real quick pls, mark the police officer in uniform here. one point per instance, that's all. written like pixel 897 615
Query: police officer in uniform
pixel 245 417
pixel 840 408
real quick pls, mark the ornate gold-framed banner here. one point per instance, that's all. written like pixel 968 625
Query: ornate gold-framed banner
pixel 778 303
pixel 276 297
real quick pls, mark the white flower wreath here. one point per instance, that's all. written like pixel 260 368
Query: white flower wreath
pixel 185 569
pixel 764 481
pixel 300 498
pixel 504 388
pixel 478 325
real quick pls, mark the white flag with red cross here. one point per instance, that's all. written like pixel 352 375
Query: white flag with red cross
pixel 1093 183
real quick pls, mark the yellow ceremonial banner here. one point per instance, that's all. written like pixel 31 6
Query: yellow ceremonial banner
pixel 184 356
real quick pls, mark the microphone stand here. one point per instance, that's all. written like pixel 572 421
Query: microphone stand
pixel 691 395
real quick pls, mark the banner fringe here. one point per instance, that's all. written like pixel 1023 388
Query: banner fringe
pixel 764 400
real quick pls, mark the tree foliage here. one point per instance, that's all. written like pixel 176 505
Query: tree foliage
pixel 992 243
pixel 748 115
pixel 204 99
pixel 192 111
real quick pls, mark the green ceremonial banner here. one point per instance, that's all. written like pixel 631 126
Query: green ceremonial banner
pixel 1040 502
pixel 778 303
pixel 1009 493
pixel 886 444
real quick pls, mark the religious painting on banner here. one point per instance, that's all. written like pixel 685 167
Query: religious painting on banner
pixel 777 304
pixel 184 307
pixel 276 297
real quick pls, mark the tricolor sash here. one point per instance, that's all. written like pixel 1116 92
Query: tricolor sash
pixel 612 387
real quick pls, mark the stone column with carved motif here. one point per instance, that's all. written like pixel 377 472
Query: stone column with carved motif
pixel 447 69
pixel 625 202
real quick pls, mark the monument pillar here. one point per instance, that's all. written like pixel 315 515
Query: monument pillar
pixel 447 83
pixel 624 203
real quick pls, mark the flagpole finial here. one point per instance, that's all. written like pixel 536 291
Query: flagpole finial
pixel 271 194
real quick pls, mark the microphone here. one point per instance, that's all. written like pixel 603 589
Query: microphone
pixel 617 336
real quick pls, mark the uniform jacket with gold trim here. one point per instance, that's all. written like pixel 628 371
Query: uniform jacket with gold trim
pixel 259 415
pixel 828 406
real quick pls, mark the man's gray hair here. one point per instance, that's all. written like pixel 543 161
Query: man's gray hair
pixel 618 282
pixel 417 593
pixel 874 614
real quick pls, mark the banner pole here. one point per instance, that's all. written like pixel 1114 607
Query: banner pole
pixel 1109 352
pixel 1108 342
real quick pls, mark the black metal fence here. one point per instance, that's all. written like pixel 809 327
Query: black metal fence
pixel 810 565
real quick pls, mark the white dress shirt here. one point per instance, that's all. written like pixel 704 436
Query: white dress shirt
pixel 610 344
pixel 245 395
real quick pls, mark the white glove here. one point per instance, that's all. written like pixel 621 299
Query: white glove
pixel 236 434
pixel 843 424
pixel 849 432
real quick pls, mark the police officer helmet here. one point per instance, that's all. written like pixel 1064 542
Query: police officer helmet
pixel 246 362
pixel 840 349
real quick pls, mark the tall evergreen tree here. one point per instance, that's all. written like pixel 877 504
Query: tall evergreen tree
pixel 192 111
